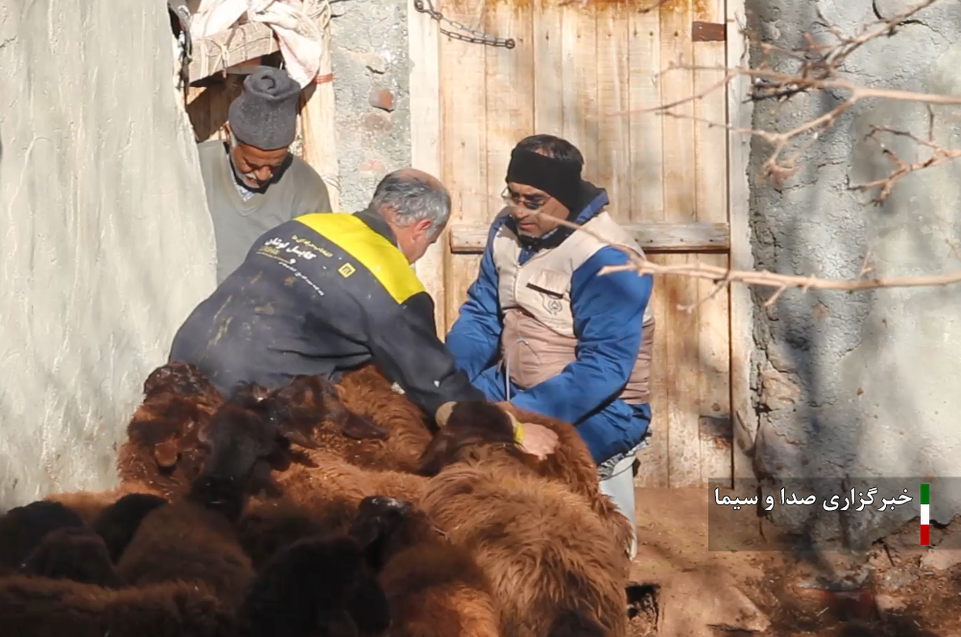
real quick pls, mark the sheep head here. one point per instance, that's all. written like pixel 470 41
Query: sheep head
pixel 307 401
pixel 179 377
pixel 177 401
pixel 384 526
pixel 245 441
pixel 472 425
pixel 168 425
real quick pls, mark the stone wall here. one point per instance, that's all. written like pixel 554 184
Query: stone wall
pixel 371 80
pixel 861 384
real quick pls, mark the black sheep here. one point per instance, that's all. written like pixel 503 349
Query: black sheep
pixel 73 553
pixel 22 528
pixel 435 588
pixel 245 441
pixel 118 522
pixel 317 586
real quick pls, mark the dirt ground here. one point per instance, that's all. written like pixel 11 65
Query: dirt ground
pixel 903 590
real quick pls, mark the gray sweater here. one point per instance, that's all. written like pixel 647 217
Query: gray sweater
pixel 238 223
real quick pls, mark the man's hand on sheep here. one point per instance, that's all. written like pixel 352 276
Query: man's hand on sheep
pixel 534 439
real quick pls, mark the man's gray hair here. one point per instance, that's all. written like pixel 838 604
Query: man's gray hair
pixel 412 198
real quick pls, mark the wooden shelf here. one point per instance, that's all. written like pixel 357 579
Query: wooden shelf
pixel 231 47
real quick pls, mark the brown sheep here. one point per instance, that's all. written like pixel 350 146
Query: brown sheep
pixel 185 541
pixel 194 539
pixel 268 526
pixel 315 402
pixel 248 439
pixel 435 588
pixel 367 392
pixel 322 496
pixel 312 405
pixel 572 465
pixel 41 607
pixel 554 568
pixel 182 378
pixel 329 488
pixel 162 449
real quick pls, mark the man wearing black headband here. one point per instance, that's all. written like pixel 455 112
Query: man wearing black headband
pixel 574 345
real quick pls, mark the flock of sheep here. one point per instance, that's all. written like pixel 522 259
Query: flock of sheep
pixel 319 509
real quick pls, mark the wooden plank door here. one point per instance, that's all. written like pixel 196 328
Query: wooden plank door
pixel 581 72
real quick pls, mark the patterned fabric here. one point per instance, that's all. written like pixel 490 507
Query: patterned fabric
pixel 606 469
pixel 244 193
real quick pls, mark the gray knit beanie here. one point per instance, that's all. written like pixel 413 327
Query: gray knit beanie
pixel 265 114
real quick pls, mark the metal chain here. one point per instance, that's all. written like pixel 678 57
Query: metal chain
pixel 476 37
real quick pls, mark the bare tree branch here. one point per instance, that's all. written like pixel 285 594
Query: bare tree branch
pixel 939 155
pixel 781 282
pixel 819 68
pixel 723 277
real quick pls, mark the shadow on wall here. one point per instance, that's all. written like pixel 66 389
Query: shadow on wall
pixel 208 110
pixel 3 412
pixel 856 384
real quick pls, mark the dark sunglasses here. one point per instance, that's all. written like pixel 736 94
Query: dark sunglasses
pixel 531 203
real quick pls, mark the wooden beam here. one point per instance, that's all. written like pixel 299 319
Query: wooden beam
pixel 713 349
pixel 653 237
pixel 423 45
pixel 231 47
pixel 739 116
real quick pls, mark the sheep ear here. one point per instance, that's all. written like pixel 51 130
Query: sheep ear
pixel 435 455
pixel 360 428
pixel 165 453
pixel 203 437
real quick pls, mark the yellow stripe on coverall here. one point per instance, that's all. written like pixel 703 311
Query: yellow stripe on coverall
pixel 378 255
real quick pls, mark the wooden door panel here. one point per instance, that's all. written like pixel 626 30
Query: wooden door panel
pixel 579 72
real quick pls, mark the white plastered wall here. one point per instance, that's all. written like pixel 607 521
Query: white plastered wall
pixel 105 240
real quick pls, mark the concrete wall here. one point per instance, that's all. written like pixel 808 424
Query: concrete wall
pixel 106 244
pixel 862 384
pixel 370 60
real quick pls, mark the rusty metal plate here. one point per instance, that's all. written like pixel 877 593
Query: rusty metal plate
pixel 708 32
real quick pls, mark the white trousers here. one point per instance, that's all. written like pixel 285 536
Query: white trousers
pixel 620 488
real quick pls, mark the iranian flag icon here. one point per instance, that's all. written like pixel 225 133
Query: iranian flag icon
pixel 925 515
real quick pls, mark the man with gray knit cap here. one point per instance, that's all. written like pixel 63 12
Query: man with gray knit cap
pixel 253 182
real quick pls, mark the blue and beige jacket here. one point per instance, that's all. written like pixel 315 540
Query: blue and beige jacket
pixel 572 340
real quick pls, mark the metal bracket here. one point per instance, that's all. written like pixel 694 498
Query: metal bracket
pixel 708 32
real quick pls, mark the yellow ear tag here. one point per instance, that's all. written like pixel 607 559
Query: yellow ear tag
pixel 519 434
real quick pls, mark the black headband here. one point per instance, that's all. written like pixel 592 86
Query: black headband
pixel 559 178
